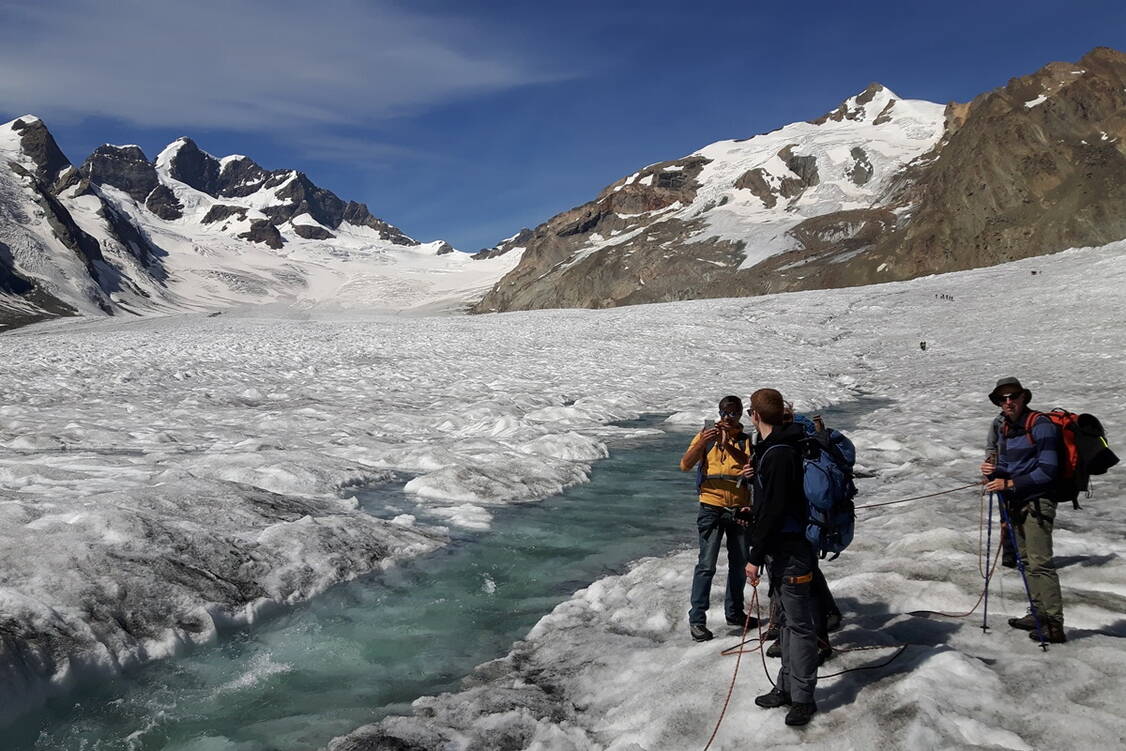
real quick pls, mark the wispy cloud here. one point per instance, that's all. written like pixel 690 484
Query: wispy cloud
pixel 359 152
pixel 254 65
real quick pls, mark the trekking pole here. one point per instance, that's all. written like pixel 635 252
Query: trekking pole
pixel 1006 519
pixel 988 547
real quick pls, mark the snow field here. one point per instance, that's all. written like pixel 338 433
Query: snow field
pixel 163 478
pixel 613 668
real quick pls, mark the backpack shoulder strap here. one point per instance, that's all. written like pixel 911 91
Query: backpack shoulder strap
pixel 1033 415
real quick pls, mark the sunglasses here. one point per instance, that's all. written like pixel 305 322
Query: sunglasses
pixel 1010 397
pixel 728 414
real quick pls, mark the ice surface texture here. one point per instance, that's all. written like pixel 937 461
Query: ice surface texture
pixel 161 477
pixel 614 668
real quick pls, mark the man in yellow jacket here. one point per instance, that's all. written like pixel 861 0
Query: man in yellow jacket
pixel 718 454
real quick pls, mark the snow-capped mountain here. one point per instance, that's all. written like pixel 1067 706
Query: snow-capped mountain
pixel 881 188
pixel 187 230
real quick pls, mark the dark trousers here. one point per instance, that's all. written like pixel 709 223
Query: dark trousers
pixel 714 523
pixel 824 604
pixel 791 566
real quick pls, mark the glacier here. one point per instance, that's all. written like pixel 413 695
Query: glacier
pixel 162 478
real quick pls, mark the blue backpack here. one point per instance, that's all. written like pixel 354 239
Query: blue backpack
pixel 827 461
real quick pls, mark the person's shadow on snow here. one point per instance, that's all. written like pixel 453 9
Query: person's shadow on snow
pixel 872 624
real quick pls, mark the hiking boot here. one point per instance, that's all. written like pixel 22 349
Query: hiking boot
pixel 699 632
pixel 1053 632
pixel 801 713
pixel 772 633
pixel 775 649
pixel 824 652
pixel 832 622
pixel 1027 622
pixel 776 698
pixel 741 619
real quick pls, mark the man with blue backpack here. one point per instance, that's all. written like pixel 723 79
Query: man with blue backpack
pixel 719 453
pixel 780 515
pixel 827 460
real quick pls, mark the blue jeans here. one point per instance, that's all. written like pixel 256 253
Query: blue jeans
pixel 713 523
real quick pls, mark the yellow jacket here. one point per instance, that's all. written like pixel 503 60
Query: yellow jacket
pixel 720 474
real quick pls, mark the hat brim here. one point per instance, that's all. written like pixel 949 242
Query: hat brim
pixel 995 396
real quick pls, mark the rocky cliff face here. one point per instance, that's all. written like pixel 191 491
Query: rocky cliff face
pixel 878 189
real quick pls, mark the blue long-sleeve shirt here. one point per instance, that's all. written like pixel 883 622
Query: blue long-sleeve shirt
pixel 1032 465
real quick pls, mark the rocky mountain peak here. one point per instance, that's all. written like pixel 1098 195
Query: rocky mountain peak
pixel 1102 56
pixel 37 144
pixel 874 105
pixel 183 160
pixel 123 167
pixel 240 176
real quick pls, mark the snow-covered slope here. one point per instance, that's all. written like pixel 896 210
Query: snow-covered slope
pixel 757 190
pixel 189 231
pixel 676 229
pixel 164 475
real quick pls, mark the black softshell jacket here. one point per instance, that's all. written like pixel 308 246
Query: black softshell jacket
pixel 778 493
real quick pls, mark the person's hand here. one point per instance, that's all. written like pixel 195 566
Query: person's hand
pixel 748 471
pixel 995 485
pixel 709 434
pixel 988 468
pixel 743 516
pixel 752 574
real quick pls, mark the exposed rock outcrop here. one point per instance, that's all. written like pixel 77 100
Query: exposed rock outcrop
pixel 312 232
pixel 164 203
pixel 221 211
pixel 39 145
pixel 263 232
pixel 194 167
pixel 123 167
pixel 519 240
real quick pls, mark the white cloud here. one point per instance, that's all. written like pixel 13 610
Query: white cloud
pixel 251 65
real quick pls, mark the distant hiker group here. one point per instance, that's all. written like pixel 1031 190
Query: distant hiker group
pixel 782 499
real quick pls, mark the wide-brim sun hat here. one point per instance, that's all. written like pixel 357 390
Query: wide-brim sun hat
pixel 1006 384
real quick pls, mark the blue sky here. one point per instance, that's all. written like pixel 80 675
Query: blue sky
pixel 469 120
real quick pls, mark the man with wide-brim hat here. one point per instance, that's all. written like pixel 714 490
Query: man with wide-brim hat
pixel 1007 385
pixel 1024 475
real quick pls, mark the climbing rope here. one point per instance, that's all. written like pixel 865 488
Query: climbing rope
pixel 919 497
pixel 738 659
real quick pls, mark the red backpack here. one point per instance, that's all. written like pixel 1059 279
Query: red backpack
pixel 1083 450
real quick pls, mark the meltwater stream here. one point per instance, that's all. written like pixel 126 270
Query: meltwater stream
pixel 367 648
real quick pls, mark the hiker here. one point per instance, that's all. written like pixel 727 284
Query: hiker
pixel 780 514
pixel 827 614
pixel 1024 475
pixel 718 453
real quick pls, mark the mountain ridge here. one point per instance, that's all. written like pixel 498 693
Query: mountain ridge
pixel 877 189
pixel 121 233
